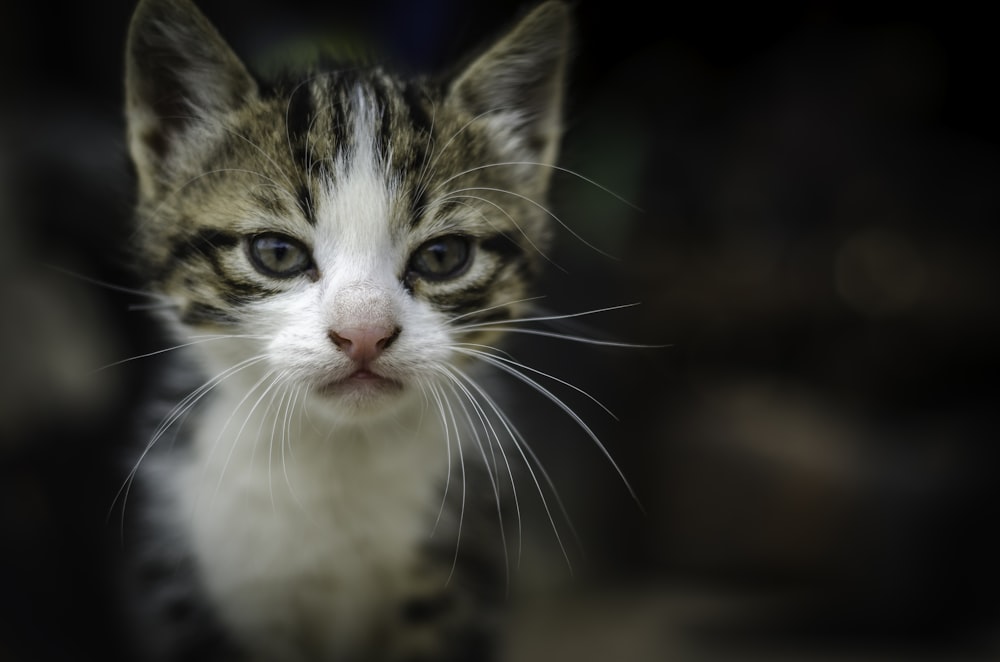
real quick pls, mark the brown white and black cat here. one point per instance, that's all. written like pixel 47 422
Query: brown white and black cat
pixel 338 253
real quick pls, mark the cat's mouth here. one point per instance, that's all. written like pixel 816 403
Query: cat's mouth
pixel 362 380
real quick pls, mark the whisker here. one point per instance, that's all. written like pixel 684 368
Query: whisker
pixel 428 148
pixel 459 132
pixel 271 376
pixel 447 444
pixel 521 443
pixel 176 412
pixel 218 439
pixel 286 442
pixel 542 207
pixel 563 336
pixel 169 198
pixel 219 171
pixel 518 443
pixel 452 197
pixel 104 284
pixel 141 307
pixel 196 341
pixel 543 165
pixel 511 366
pixel 494 307
pixel 461 513
pixel 554 399
pixel 492 475
pixel 286 438
pixel 489 349
pixel 270 447
pixel 550 318
pixel 263 152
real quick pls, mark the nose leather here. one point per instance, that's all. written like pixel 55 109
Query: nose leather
pixel 364 344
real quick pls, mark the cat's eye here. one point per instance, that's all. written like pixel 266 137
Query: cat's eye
pixel 442 258
pixel 278 255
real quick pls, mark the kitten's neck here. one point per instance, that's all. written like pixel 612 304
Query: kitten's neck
pixel 276 483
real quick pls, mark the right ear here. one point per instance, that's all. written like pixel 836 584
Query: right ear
pixel 180 77
pixel 516 86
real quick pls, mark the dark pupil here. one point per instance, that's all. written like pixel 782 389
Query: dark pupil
pixel 279 249
pixel 438 254
pixel 279 256
pixel 442 257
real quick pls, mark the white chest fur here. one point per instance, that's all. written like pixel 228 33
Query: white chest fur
pixel 305 531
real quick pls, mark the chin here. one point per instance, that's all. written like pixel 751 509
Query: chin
pixel 362 397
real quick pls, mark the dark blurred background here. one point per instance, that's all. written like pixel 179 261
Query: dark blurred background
pixel 816 450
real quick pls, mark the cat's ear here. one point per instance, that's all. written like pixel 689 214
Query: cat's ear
pixel 180 76
pixel 516 85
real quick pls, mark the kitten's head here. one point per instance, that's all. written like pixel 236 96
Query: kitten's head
pixel 348 222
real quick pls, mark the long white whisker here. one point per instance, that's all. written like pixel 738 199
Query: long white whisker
pixel 523 446
pixel 461 513
pixel 503 453
pixel 263 152
pixel 267 377
pixel 460 131
pixel 550 318
pixel 105 284
pixel 195 341
pixel 447 442
pixel 178 410
pixel 563 336
pixel 283 387
pixel 554 399
pixel 428 148
pixel 542 165
pixel 511 366
pixel 286 442
pixel 494 307
pixel 142 307
pixel 451 197
pixel 518 440
pixel 494 474
pixel 286 439
pixel 545 209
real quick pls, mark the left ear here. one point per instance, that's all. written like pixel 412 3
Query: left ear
pixel 516 86
pixel 180 78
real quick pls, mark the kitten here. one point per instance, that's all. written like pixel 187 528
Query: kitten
pixel 335 251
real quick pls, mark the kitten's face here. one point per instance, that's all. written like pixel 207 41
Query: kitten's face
pixel 349 224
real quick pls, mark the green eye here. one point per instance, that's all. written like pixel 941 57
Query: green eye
pixel 441 258
pixel 280 256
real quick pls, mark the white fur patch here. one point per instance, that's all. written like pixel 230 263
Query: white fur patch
pixel 299 550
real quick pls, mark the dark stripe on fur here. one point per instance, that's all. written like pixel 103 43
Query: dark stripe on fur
pixel 415 99
pixel 502 245
pixel 466 300
pixel 340 115
pixel 298 119
pixel 205 242
pixel 419 207
pixel 197 312
pixel 269 203
pixel 240 292
pixel 384 109
pixel 299 113
pixel 305 201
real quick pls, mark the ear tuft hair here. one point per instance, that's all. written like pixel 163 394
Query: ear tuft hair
pixel 517 84
pixel 179 75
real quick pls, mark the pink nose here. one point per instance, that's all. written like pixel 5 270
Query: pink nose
pixel 363 345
